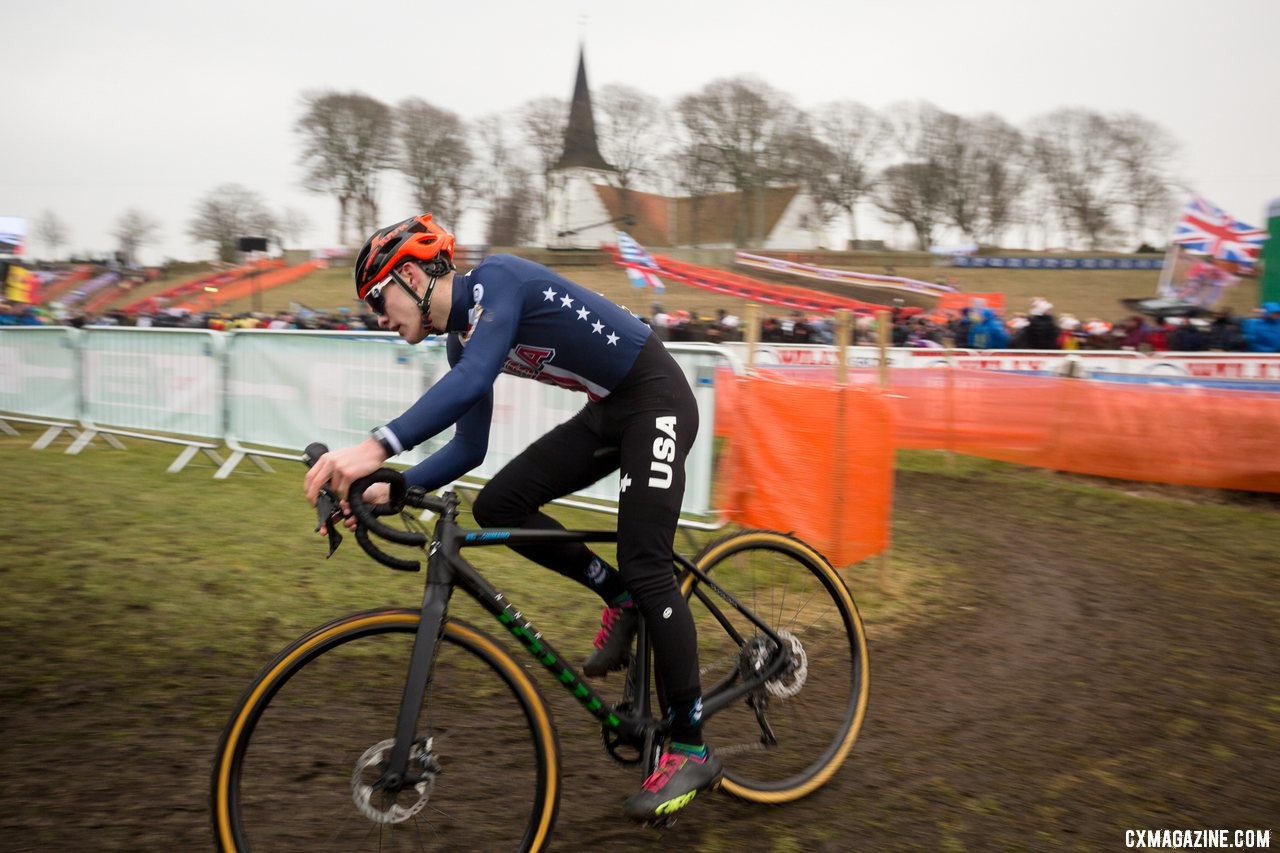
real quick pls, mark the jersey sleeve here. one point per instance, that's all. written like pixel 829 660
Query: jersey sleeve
pixel 470 379
pixel 470 442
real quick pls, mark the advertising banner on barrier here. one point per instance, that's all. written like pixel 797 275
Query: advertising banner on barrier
pixel 1220 368
pixel 40 372
pixel 164 380
pixel 288 389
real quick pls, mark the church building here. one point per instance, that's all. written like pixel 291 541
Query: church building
pixel 586 208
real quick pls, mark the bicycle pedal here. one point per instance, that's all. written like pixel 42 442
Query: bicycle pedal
pixel 661 823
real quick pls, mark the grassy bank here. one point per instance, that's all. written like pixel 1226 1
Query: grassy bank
pixel 1082 293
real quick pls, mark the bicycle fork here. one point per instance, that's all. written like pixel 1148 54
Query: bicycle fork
pixel 435 603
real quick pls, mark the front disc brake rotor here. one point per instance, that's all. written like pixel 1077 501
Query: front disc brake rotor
pixel 369 768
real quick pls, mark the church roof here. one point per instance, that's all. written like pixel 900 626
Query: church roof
pixel 717 219
pixel 580 145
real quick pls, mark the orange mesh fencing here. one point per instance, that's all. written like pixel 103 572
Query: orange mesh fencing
pixel 813 459
pixel 1180 435
pixel 807 455
pixel 1153 433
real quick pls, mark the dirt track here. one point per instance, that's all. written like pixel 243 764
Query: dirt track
pixel 1075 683
pixel 1074 688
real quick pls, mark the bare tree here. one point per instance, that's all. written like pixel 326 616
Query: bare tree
pixel 1075 154
pixel 1002 174
pixel 434 155
pixel 738 124
pixel 632 128
pixel 347 143
pixel 492 164
pixel 852 136
pixel 696 173
pixel 513 221
pixel 812 163
pixel 959 155
pixel 52 231
pixel 543 122
pixel 134 229
pixel 291 226
pixel 1144 154
pixel 985 170
pixel 915 194
pixel 227 213
pixel 916 130
pixel 801 157
pixel 916 189
pixel 506 184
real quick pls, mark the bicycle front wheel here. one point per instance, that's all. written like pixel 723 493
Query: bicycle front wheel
pixel 298 764
pixel 786 738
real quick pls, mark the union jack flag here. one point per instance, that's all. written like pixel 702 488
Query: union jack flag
pixel 639 264
pixel 1205 227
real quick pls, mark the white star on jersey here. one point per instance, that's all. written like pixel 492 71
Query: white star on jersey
pixel 584 314
pixel 624 482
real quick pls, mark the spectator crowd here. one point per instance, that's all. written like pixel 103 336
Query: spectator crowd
pixel 1038 328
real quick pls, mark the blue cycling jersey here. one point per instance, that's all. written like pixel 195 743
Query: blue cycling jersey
pixel 514 316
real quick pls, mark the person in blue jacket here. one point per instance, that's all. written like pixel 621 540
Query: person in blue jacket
pixel 511 315
pixel 989 333
pixel 1262 334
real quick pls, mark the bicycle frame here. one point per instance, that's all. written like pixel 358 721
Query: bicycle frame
pixel 448 570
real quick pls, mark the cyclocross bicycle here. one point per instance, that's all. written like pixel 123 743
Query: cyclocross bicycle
pixel 405 728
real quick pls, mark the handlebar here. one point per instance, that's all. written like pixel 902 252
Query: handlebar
pixel 329 511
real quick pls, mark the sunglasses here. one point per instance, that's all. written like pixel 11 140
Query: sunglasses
pixel 377 300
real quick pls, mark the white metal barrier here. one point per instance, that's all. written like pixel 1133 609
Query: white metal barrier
pixel 40 380
pixel 287 389
pixel 166 381
pixel 270 393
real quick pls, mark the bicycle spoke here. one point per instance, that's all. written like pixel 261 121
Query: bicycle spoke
pixel 789 734
pixel 310 777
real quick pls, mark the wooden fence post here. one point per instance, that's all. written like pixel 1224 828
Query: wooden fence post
pixel 752 333
pixel 884 328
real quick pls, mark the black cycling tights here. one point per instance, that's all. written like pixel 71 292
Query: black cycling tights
pixel 652 419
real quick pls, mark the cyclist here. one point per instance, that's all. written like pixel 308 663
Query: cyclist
pixel 510 315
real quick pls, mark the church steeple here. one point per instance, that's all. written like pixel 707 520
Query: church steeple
pixel 580 146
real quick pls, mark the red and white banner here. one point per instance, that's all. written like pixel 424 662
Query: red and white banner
pixel 1251 367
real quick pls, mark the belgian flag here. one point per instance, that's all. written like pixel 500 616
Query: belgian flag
pixel 21 285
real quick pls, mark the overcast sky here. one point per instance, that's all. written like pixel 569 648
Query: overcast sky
pixel 150 105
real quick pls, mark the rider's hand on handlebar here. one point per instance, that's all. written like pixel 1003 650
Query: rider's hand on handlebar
pixel 378 493
pixel 340 468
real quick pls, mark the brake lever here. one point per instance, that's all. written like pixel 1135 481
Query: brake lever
pixel 329 516
pixel 328 507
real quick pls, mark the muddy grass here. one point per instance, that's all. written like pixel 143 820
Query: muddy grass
pixel 1094 662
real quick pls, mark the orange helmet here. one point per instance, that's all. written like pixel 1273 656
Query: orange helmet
pixel 416 238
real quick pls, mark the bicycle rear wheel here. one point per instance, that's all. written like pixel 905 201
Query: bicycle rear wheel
pixel 787 738
pixel 296 764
